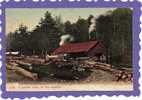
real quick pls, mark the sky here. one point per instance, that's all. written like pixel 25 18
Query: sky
pixel 31 16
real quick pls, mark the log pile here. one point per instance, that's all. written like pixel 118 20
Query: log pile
pixel 27 59
pixel 22 71
pixel 64 70
pixel 123 74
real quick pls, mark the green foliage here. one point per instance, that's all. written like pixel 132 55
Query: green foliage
pixel 115 31
pixel 82 30
pixel 45 35
pixel 79 30
pixel 18 41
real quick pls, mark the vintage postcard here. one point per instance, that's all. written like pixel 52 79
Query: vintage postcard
pixel 70 48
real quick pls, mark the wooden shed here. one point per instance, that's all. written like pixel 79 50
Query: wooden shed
pixel 83 49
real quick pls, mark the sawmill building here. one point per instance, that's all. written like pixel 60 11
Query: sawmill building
pixel 83 49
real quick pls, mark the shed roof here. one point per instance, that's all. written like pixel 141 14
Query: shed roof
pixel 76 47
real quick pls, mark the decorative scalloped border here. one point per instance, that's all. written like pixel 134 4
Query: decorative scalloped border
pixel 71 4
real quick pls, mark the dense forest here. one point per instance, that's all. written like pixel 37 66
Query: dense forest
pixel 113 29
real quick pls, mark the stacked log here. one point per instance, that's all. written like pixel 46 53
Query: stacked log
pixel 34 60
pixel 25 59
pixel 22 71
pixel 14 58
pixel 120 74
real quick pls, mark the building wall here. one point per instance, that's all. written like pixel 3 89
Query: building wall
pixel 97 50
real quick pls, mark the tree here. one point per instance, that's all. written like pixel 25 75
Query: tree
pixel 82 30
pixel 122 31
pixel 19 39
pixel 9 39
pixel 46 34
pixel 115 31
pixel 68 27
pixel 59 25
pixel 78 30
pixel 104 29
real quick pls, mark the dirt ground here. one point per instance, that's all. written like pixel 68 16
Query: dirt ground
pixel 98 81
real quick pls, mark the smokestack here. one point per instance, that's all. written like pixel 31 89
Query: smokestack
pixel 92 25
pixel 66 39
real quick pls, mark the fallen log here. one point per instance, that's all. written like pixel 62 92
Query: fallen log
pixel 103 64
pixel 21 62
pixel 34 60
pixel 124 74
pixel 105 68
pixel 14 58
pixel 23 72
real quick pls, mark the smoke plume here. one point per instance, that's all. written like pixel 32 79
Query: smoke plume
pixel 66 39
pixel 92 25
